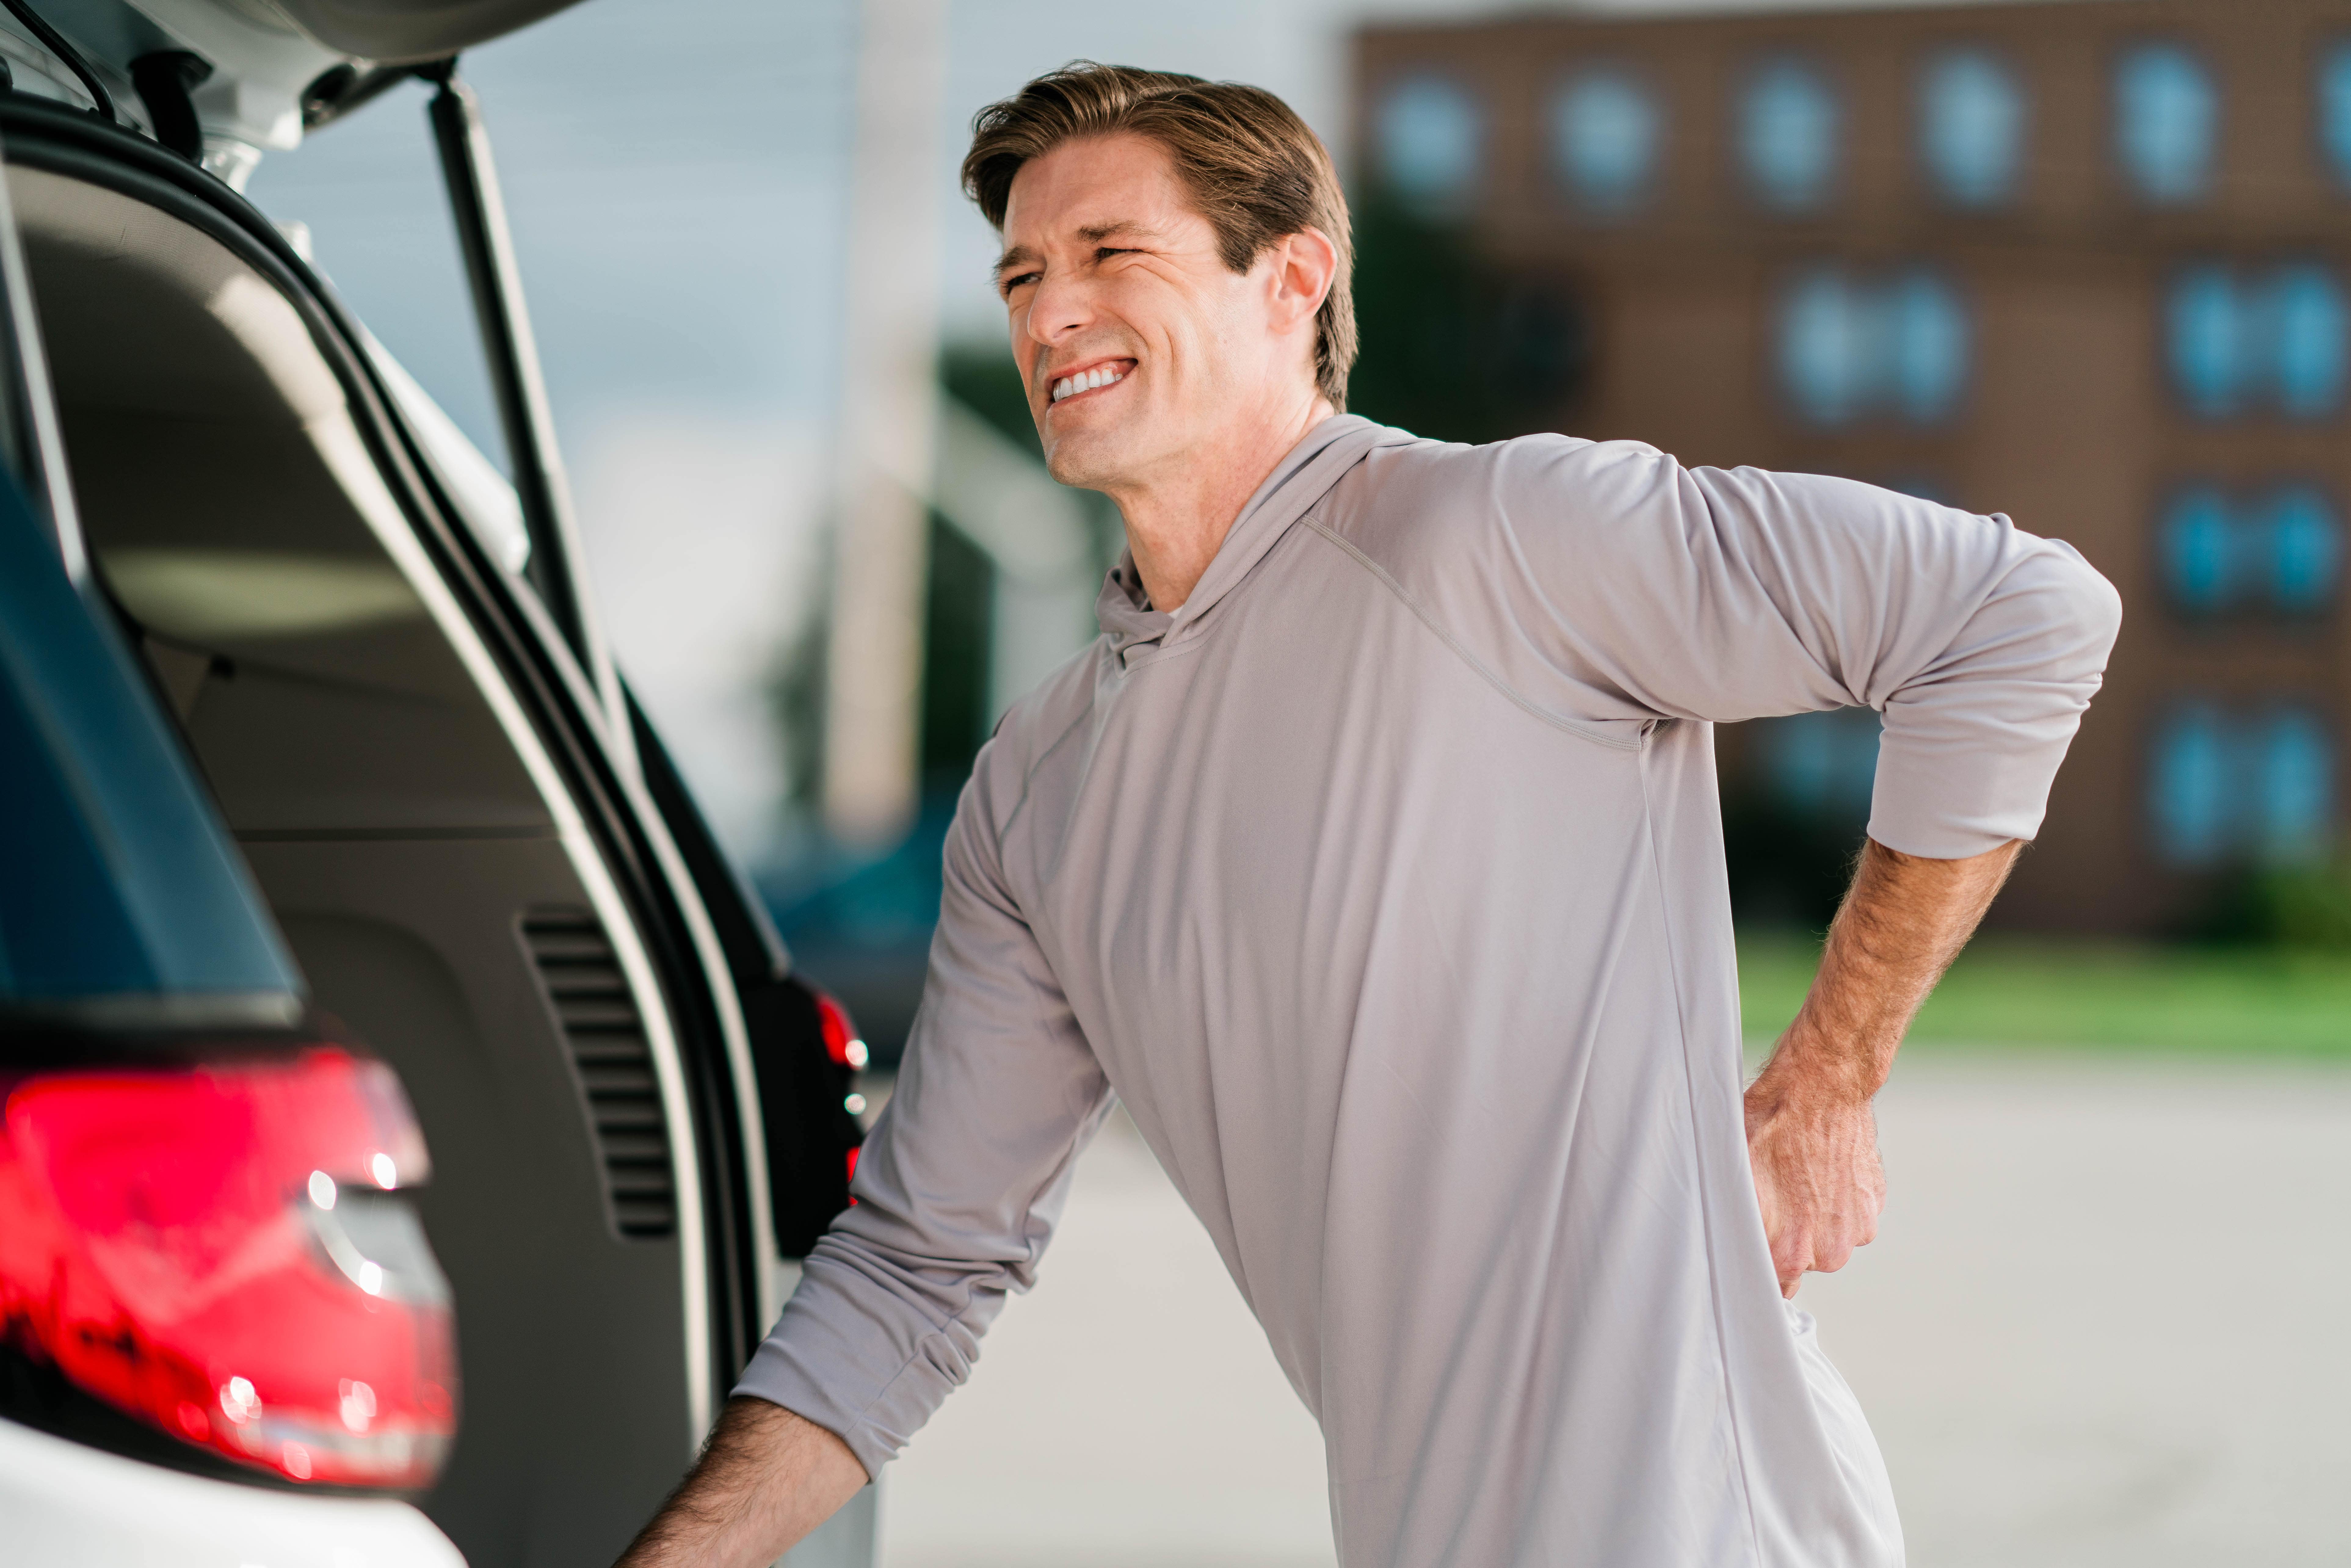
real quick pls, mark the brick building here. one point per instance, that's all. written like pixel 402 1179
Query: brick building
pixel 2080 263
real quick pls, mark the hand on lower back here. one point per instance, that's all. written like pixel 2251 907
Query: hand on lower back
pixel 1811 1135
pixel 1817 1176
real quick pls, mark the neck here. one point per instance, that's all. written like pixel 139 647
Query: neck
pixel 1176 520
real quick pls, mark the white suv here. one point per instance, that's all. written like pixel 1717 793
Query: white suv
pixel 404 1112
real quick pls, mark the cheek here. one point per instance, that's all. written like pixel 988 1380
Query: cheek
pixel 1017 340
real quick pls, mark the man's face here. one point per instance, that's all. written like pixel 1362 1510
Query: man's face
pixel 1139 347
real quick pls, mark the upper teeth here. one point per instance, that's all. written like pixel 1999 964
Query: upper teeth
pixel 1102 376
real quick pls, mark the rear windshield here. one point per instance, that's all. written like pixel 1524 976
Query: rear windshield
pixel 119 894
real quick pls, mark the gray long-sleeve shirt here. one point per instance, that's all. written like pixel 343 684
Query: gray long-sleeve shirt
pixel 1383 881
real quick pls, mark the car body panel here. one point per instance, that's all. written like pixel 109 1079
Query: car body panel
pixel 68 1503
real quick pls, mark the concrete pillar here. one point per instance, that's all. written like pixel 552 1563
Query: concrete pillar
pixel 888 412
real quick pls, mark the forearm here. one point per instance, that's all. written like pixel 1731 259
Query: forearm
pixel 1811 1136
pixel 1903 922
pixel 765 1479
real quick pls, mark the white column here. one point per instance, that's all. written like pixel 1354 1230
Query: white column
pixel 888 404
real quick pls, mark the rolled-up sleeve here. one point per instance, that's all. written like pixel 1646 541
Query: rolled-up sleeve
pixel 1725 595
pixel 961 1183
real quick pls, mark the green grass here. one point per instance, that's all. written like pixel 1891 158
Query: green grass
pixel 2021 991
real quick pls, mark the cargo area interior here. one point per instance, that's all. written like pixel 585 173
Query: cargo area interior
pixel 411 859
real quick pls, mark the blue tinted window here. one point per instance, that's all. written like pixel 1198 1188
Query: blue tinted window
pixel 1849 347
pixel 2199 552
pixel 2303 542
pixel 1788 124
pixel 2282 342
pixel 2293 804
pixel 2334 107
pixel 2167 122
pixel 1605 133
pixel 2306 330
pixel 2189 792
pixel 2225 786
pixel 1824 763
pixel 2212 340
pixel 1926 338
pixel 1830 345
pixel 1972 126
pixel 1432 135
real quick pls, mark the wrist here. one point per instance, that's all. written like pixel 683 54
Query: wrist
pixel 1808 1069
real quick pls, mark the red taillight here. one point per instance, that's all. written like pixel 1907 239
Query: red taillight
pixel 840 1040
pixel 213 1250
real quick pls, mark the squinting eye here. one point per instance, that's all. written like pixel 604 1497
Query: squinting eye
pixel 1010 284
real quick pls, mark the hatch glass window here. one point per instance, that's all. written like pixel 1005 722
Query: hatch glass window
pixel 120 882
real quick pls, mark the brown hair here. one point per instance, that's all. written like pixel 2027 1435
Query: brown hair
pixel 1255 171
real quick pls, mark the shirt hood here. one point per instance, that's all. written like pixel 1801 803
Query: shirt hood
pixel 1304 476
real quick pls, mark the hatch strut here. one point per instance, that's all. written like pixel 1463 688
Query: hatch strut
pixel 556 567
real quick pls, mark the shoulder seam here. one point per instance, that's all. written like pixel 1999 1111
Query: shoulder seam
pixel 1029 774
pixel 1531 708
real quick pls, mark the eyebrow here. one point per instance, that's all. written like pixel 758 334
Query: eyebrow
pixel 1024 255
pixel 1126 226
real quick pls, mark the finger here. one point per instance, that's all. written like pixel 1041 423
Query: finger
pixel 1792 1255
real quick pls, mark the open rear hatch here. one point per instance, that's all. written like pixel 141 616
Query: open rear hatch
pixel 287 578
pixel 227 81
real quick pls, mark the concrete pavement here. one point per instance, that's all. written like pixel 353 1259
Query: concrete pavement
pixel 2108 1321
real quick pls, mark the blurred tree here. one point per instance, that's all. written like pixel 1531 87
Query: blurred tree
pixel 982 376
pixel 795 691
pixel 979 374
pixel 1454 347
pixel 2303 907
pixel 1787 866
pixel 956 633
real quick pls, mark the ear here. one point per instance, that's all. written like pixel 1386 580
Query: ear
pixel 1304 267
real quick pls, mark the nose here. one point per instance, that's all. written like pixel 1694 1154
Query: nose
pixel 1061 306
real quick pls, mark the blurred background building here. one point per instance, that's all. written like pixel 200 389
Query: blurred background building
pixel 2078 263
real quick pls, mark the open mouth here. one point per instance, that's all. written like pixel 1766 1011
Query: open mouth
pixel 1109 374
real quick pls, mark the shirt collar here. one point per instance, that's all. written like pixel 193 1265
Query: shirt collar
pixel 1304 476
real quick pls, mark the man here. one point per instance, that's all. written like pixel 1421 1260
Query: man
pixel 1373 858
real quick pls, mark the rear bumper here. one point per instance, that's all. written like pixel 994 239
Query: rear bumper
pixel 68 1504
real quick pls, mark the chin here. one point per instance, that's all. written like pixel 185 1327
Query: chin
pixel 1086 459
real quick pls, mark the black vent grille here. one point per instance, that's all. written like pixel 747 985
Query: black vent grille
pixel 606 1037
